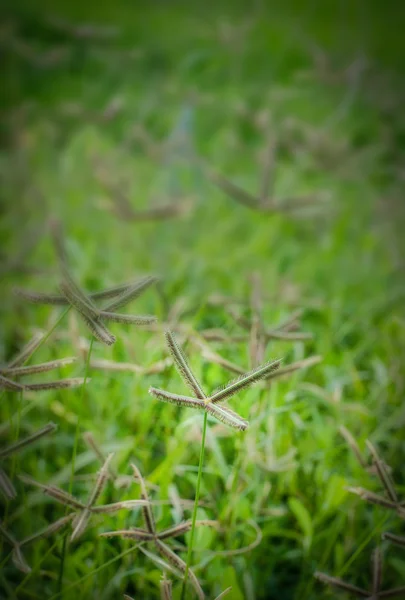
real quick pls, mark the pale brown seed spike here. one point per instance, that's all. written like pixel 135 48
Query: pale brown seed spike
pixel 47 531
pixel 50 427
pixel 296 366
pixel 26 351
pixel 393 593
pixel 339 583
pixel 60 300
pixel 395 539
pixel 183 528
pixel 56 385
pixel 182 366
pixel 165 589
pixel 40 368
pixel 209 355
pixel 298 336
pixel 135 533
pixel 101 481
pixel 290 322
pixel 91 442
pixel 80 523
pixel 238 318
pixel 171 398
pixel 7 535
pixel 97 329
pixel 131 293
pixel 234 191
pixel 58 241
pixel 128 319
pixel 117 506
pixel 227 416
pixel 383 473
pixel 81 300
pixel 41 298
pixel 244 381
pixel 351 442
pixel 6 486
pixel 163 212
pixel 112 292
pixel 179 564
pixel 372 498
pixel 56 493
pixel 8 384
pixel 146 510
pixel 19 560
pixel 377 571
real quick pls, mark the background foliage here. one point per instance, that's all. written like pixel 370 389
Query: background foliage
pixel 180 81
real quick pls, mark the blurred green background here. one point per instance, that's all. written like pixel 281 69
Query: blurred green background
pixel 138 111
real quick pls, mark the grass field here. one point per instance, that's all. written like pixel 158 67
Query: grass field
pixel 96 128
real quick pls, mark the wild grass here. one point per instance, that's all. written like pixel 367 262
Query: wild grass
pixel 115 125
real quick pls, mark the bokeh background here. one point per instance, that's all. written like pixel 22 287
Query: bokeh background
pixel 114 110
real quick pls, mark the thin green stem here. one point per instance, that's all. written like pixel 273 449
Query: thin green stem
pixel 197 498
pixel 75 444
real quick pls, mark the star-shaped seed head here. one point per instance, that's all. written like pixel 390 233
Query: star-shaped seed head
pixel 84 511
pixel 211 404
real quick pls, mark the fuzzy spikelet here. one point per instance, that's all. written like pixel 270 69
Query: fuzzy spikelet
pixel 372 498
pixel 179 564
pixel 383 473
pixel 26 351
pixel 227 416
pixel 56 385
pixel 131 293
pixel 22 371
pixel 28 440
pixel 97 329
pixel 60 300
pixel 377 571
pixel 395 539
pixel 176 398
pixel 339 583
pixel 135 533
pixel 8 384
pixel 128 319
pixel 182 366
pixel 165 589
pixel 244 381
pixel 146 510
pixel 6 486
